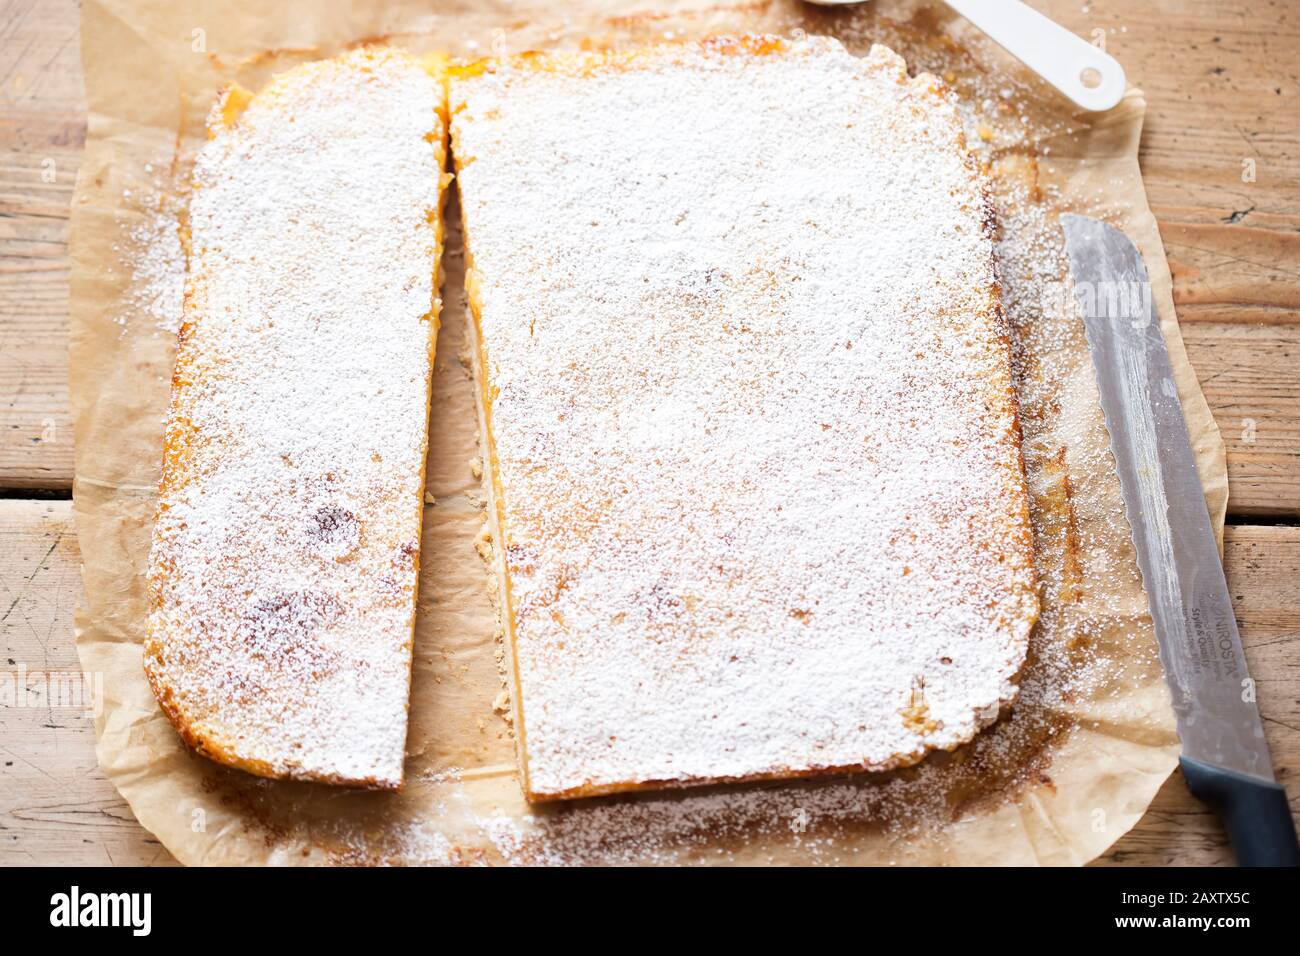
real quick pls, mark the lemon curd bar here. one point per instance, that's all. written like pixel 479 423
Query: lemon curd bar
pixel 756 484
pixel 283 571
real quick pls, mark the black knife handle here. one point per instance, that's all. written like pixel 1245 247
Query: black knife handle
pixel 1255 813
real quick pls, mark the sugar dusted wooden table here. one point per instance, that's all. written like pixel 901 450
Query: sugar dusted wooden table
pixel 1221 161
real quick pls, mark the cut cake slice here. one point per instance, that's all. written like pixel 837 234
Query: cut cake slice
pixel 282 577
pixel 754 461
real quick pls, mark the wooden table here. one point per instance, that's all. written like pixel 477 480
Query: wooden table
pixel 1224 97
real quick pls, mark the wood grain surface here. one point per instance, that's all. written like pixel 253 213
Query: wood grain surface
pixel 57 807
pixel 1221 161
pixel 42 130
pixel 1221 86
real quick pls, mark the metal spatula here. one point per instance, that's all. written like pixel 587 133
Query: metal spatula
pixel 1225 756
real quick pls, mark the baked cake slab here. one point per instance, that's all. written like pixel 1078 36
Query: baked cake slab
pixel 283 572
pixel 757 491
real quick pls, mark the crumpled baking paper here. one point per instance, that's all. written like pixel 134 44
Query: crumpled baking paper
pixel 1057 782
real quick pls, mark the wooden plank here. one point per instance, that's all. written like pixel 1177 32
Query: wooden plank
pixel 1220 158
pixel 1217 98
pixel 1250 374
pixel 1219 148
pixel 42 130
pixel 1221 163
pixel 56 806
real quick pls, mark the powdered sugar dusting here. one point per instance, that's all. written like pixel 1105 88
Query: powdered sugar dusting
pixel 158 269
pixel 759 477
pixel 283 572
pixel 152 250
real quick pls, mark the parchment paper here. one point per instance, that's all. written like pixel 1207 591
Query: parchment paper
pixel 1057 782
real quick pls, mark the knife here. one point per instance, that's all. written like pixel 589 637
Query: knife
pixel 1225 757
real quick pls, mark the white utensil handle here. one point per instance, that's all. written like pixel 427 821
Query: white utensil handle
pixel 1050 50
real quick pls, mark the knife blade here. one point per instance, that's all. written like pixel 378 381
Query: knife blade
pixel 1225 757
